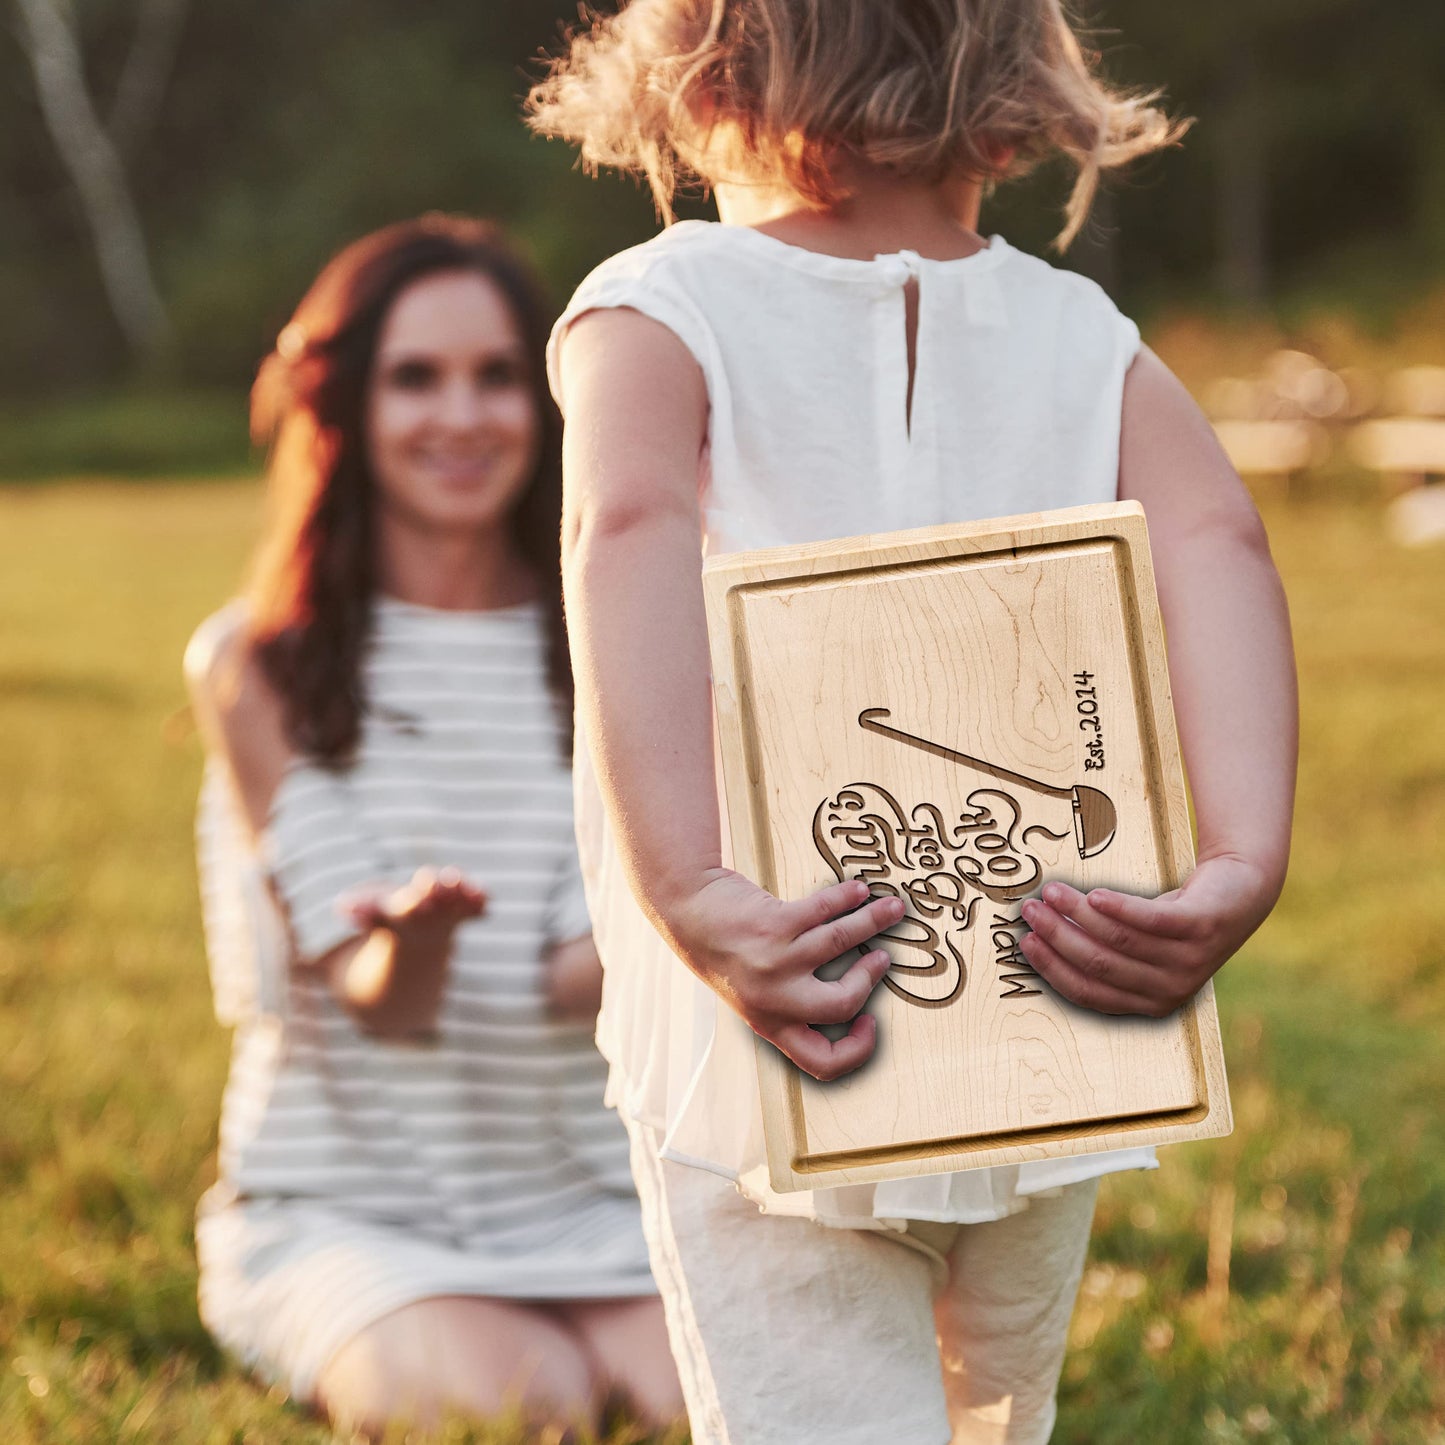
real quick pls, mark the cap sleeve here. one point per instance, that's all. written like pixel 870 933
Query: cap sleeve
pixel 646 279
pixel 1093 346
pixel 246 946
pixel 1129 340
pixel 316 849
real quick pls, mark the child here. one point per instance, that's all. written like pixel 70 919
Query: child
pixel 844 354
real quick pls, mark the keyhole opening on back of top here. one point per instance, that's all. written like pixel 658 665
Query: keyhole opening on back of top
pixel 910 333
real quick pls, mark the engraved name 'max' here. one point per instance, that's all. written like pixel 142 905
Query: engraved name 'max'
pixel 947 867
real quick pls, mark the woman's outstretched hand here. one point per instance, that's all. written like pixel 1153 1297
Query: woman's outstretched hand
pixel 1118 954
pixel 435 900
pixel 760 954
pixel 391 981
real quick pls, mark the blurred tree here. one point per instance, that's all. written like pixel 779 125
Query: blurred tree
pixel 93 154
pixel 142 85
pixel 1310 161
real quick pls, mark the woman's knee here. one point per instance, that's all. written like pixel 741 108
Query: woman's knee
pixel 629 1345
pixel 470 1357
pixel 370 1381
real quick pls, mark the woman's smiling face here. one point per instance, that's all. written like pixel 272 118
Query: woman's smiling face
pixel 452 430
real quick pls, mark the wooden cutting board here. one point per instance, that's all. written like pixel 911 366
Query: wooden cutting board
pixel 958 715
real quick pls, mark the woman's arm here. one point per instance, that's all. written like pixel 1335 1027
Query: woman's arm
pixel 1231 670
pixel 574 979
pixel 636 409
pixel 392 977
pixel 390 973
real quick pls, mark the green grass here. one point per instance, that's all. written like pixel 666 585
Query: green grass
pixel 1284 1285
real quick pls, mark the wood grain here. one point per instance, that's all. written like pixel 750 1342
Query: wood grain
pixel 957 715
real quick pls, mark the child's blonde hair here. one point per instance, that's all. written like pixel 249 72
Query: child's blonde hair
pixel 771 90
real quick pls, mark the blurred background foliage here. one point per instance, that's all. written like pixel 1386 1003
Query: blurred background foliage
pixel 286 128
pixel 253 140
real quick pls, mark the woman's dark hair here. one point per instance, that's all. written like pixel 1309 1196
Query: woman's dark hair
pixel 315 572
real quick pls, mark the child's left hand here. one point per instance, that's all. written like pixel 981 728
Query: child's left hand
pixel 1119 954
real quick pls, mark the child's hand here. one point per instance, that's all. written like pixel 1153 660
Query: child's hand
pixel 1119 954
pixel 759 955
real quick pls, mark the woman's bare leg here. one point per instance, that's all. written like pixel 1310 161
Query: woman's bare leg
pixel 460 1355
pixel 627 1340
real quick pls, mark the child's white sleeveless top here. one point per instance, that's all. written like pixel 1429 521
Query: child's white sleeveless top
pixel 1018 385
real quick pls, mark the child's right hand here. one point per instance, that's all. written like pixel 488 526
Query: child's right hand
pixel 760 954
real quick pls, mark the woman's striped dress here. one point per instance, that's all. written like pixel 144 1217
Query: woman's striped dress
pixel 358 1175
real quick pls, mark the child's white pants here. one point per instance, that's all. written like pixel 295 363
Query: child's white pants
pixel 788 1332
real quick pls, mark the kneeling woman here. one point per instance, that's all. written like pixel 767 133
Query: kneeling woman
pixel 423 1205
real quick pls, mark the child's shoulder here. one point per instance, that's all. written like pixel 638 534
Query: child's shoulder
pixel 1072 311
pixel 660 279
pixel 658 258
pixel 1030 273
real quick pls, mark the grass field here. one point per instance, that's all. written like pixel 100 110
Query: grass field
pixel 1284 1285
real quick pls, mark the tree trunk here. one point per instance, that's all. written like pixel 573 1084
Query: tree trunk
pixel 96 170
pixel 147 67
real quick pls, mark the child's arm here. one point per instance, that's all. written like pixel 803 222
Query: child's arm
pixel 1231 669
pixel 631 541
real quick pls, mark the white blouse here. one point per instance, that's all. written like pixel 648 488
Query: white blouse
pixel 1017 392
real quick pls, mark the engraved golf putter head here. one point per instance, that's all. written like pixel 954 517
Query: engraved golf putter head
pixel 1095 818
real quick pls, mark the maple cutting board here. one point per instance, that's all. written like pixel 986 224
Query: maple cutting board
pixel 958 715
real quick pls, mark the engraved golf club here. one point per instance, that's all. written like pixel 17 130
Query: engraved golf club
pixel 1094 817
